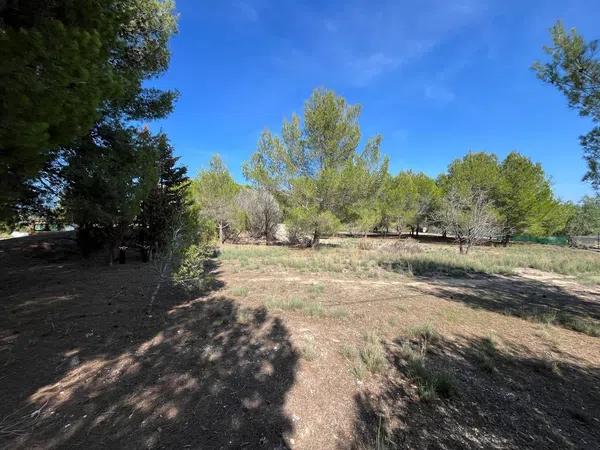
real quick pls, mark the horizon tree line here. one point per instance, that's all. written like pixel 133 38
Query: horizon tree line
pixel 72 145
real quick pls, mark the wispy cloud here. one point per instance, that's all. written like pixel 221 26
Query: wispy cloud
pixel 246 10
pixel 361 42
pixel 439 94
pixel 364 70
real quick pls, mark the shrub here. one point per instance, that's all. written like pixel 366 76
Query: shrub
pixel 190 273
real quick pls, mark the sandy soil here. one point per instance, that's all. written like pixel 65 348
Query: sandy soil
pixel 88 362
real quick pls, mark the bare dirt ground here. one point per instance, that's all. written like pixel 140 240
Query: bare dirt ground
pixel 87 361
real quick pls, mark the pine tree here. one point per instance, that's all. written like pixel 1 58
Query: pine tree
pixel 165 205
pixel 66 65
pixel 107 176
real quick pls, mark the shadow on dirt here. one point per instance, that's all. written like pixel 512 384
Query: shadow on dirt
pixel 575 308
pixel 86 363
pixel 511 401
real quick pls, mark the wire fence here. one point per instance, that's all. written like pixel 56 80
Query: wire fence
pixel 592 241
pixel 550 240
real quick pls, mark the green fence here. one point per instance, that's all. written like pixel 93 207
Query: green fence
pixel 549 240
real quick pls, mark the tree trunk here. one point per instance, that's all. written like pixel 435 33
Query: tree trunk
pixel 145 253
pixel 316 239
pixel 460 246
pixel 221 234
pixel 505 240
pixel 111 253
pixel 122 256
pixel 417 230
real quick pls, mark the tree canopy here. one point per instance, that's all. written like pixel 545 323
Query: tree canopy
pixel 67 64
pixel 316 168
pixel 574 68
pixel 215 192
pixel 586 220
pixel 107 176
pixel 518 189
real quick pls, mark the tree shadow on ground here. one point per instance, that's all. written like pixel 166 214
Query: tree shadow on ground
pixel 574 308
pixel 86 363
pixel 510 401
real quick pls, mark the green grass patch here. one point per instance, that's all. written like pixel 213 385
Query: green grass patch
pixel 425 333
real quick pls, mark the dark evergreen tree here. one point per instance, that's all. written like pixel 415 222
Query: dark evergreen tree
pixel 107 176
pixel 66 64
pixel 164 208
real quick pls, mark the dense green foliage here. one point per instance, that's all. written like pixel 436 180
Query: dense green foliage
pixel 586 220
pixel 65 65
pixel 574 68
pixel 410 199
pixel 519 190
pixel 214 191
pixel 164 211
pixel 315 168
pixel 107 175
pixel 323 183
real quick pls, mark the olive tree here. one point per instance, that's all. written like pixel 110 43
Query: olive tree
pixel 262 211
pixel 469 217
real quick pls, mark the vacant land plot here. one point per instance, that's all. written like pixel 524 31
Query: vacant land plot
pixel 361 344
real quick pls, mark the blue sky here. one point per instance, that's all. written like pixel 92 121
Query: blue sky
pixel 435 78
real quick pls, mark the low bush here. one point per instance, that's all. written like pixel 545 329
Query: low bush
pixel 190 272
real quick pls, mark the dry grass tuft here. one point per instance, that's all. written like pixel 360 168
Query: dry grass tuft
pixel 240 291
pixel 308 308
pixel 308 348
pixel 367 358
pixel 408 246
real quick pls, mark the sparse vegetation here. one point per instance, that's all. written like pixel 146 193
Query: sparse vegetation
pixel 486 354
pixel 317 288
pixel 368 357
pixel 426 334
pixel 309 308
pixel 433 260
pixel 308 348
pixel 431 383
pixel 240 291
pixel 186 345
